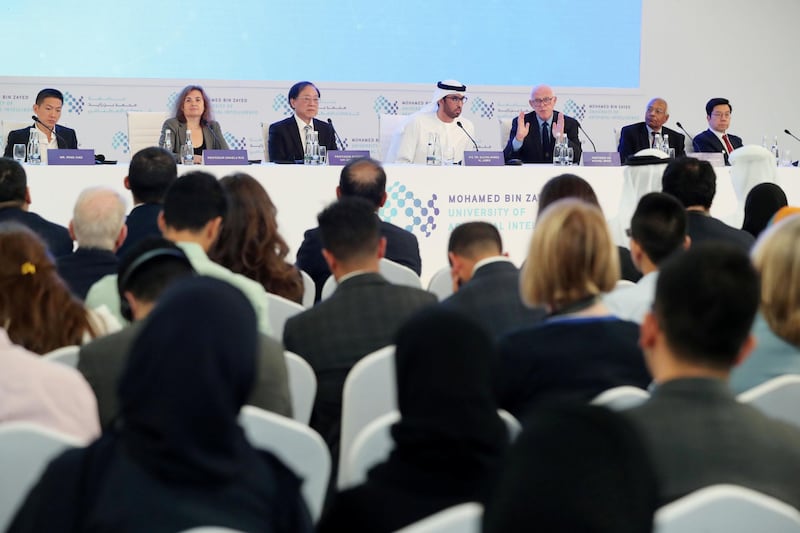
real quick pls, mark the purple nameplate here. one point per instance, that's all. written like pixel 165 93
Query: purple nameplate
pixel 57 156
pixel 339 158
pixel 484 159
pixel 717 159
pixel 225 157
pixel 601 159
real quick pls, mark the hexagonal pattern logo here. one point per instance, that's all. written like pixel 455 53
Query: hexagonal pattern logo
pixel 404 209
pixel 74 104
pixel 574 110
pixel 482 108
pixel 385 107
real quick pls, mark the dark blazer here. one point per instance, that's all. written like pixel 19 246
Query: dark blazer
pixel 102 362
pixel 704 227
pixel 361 316
pixel 284 144
pixel 635 137
pixel 401 247
pixel 56 237
pixel 142 222
pixel 699 435
pixel 492 298
pixel 83 267
pixel 212 135
pixel 531 149
pixel 65 137
pixel 707 141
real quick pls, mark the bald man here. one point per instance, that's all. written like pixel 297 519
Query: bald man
pixel 639 136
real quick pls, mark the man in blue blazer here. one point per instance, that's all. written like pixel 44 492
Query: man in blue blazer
pixel 716 138
pixel 639 136
pixel 48 110
pixel 286 142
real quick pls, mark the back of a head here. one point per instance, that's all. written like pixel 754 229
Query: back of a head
pixel 659 225
pixel 193 200
pixel 150 174
pixel 13 181
pixel 475 239
pixel 349 229
pixel 364 178
pixel 566 186
pixel 761 204
pixel 691 181
pixel 98 217
pixel 705 302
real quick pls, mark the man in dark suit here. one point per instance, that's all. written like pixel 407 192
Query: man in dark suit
pixel 48 110
pixel 696 431
pixel 694 184
pixel 361 316
pixel 486 282
pixel 150 174
pixel 145 273
pixel 98 226
pixel 287 138
pixel 364 178
pixel 716 138
pixel 15 200
pixel 526 141
pixel 641 135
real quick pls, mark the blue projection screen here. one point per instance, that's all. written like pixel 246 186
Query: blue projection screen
pixel 575 43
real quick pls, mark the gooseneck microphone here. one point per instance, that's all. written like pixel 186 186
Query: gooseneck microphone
pixel 684 131
pixel 594 148
pixel 790 134
pixel 460 125
pixel 217 142
pixel 48 128
pixel 339 142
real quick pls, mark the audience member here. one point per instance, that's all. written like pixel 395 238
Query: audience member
pixel 450 440
pixel 249 242
pixel 178 450
pixel 642 135
pixel 15 201
pixel 287 138
pixel 485 281
pixel 782 213
pixel 696 433
pixel 658 230
pixel 716 138
pixel 581 349
pixel 51 134
pixel 762 202
pixel 98 226
pixel 193 114
pixel 363 178
pixel 694 184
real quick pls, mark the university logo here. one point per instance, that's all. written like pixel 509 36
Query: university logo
pixel 384 107
pixel 281 103
pixel 345 142
pixel 74 103
pixel 574 110
pixel 235 143
pixel 404 209
pixel 483 108
pixel 119 141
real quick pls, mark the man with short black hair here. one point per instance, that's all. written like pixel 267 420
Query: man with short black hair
pixel 716 137
pixel 51 135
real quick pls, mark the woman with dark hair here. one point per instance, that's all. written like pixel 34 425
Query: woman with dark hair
pixel 177 457
pixel 36 308
pixel 761 204
pixel 450 440
pixel 193 113
pixel 249 242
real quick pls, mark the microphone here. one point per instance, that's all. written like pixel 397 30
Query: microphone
pixel 684 131
pixel 594 148
pixel 339 142
pixel 460 125
pixel 205 123
pixel 48 128
pixel 789 133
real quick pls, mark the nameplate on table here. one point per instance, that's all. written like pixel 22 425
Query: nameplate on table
pixel 474 158
pixel 60 156
pixel 601 159
pixel 225 157
pixel 339 158
pixel 717 159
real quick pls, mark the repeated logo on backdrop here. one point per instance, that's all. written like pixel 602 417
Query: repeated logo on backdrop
pixel 384 107
pixel 482 108
pixel 281 104
pixel 119 141
pixel 404 209
pixel 574 110
pixel 235 143
pixel 74 104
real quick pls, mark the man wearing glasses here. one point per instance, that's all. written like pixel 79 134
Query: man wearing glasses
pixel 715 138
pixel 287 138
pixel 441 117
pixel 533 135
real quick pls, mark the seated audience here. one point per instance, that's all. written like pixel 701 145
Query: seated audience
pixel 51 134
pixel 178 458
pixel 763 201
pixel 450 440
pixel 193 114
pixel 287 138
pixel 581 349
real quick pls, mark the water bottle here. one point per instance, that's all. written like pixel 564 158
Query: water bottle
pixel 434 155
pixel 167 141
pixel 776 153
pixel 558 152
pixel 34 155
pixel 187 151
pixel 311 152
pixel 665 143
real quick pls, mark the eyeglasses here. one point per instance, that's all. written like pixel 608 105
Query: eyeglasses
pixel 309 100
pixel 456 99
pixel 721 115
pixel 543 101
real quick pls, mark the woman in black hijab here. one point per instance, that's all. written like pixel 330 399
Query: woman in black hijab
pixel 761 204
pixel 177 457
pixel 450 440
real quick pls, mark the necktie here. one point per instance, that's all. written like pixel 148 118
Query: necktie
pixel 728 145
pixel 545 137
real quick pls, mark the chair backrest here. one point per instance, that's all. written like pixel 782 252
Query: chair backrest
pixel 299 447
pixel 7 126
pixel 388 127
pixel 505 130
pixel 66 355
pixel 729 509
pixel 26 449
pixel 302 386
pixel 265 137
pixel 279 310
pixel 309 290
pixel 370 390
pixel 621 398
pixel 462 518
pixel 144 129
pixel 441 284
pixel 393 272
pixel 779 398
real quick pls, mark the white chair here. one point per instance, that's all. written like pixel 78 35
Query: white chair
pixel 7 126
pixel 279 310
pixel 302 386
pixel 309 290
pixel 299 447
pixel 66 355
pixel 778 398
pixel 728 509
pixel 370 390
pixel 389 126
pixel 505 130
pixel 144 129
pixel 463 518
pixel 26 449
pixel 621 398
pixel 441 283
pixel 265 136
pixel 393 272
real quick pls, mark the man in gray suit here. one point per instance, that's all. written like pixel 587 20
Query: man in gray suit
pixel 486 281
pixel 150 267
pixel 363 314
pixel 696 431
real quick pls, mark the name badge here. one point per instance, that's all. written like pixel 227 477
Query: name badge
pixel 339 158
pixel 601 159
pixel 225 157
pixel 59 156
pixel 484 159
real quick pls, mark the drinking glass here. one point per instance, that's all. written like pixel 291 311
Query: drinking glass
pixel 323 154
pixel 19 153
